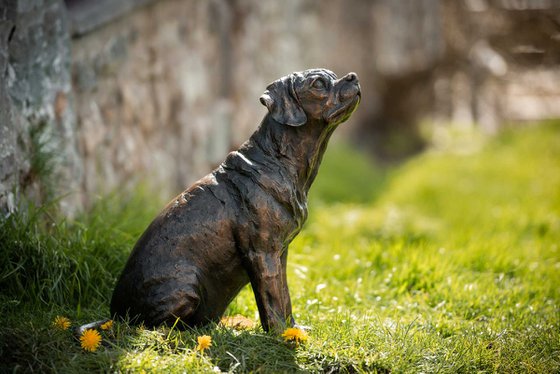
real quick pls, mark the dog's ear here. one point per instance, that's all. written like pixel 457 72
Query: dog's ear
pixel 282 104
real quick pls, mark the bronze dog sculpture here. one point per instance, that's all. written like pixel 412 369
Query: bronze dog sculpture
pixel 234 225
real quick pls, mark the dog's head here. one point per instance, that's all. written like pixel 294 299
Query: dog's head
pixel 312 94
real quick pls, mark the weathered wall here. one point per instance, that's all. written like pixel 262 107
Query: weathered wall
pixel 37 124
pixel 159 95
pixel 149 99
pixel 8 174
pixel 162 92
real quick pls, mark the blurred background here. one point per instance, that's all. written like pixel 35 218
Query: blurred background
pixel 98 95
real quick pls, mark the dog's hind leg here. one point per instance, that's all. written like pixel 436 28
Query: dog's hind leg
pixel 171 299
pixel 180 306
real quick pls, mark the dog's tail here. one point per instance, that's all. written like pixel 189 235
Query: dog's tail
pixel 78 331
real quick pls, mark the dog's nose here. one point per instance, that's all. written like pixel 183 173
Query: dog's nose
pixel 350 77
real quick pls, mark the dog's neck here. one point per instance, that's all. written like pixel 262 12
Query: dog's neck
pixel 299 149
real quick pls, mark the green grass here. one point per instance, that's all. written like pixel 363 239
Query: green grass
pixel 449 263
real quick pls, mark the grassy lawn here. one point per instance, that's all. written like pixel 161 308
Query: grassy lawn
pixel 449 263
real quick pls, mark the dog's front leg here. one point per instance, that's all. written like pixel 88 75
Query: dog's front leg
pixel 267 271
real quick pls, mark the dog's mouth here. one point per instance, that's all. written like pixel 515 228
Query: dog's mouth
pixel 344 112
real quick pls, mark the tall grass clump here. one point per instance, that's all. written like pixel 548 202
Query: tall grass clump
pixel 48 261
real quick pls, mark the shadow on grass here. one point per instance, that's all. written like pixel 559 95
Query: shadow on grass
pixel 173 350
pixel 29 341
pixel 250 351
pixel 320 362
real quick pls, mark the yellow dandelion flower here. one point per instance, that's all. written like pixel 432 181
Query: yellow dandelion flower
pixel 107 325
pixel 295 335
pixel 61 323
pixel 90 340
pixel 204 342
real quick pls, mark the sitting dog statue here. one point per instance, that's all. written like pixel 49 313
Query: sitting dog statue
pixel 234 225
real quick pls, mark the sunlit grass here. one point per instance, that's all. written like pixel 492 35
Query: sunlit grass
pixel 449 263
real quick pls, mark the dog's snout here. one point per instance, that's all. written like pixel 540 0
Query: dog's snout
pixel 350 86
pixel 350 77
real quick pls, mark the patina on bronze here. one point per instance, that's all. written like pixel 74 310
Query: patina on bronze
pixel 234 225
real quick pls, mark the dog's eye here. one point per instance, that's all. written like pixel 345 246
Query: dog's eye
pixel 318 84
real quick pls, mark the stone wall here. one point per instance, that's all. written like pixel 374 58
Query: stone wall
pixel 158 95
pixel 38 139
pixel 8 174
pixel 98 95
